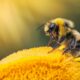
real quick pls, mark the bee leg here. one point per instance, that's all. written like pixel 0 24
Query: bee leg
pixel 50 41
pixel 57 44
pixel 71 46
pixel 76 51
pixel 78 45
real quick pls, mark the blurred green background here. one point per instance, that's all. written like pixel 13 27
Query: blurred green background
pixel 19 20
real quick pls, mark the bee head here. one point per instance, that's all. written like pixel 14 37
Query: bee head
pixel 50 28
pixel 56 25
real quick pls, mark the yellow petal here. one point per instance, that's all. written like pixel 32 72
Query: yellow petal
pixel 38 64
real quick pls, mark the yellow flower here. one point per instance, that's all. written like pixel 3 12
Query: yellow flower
pixel 38 64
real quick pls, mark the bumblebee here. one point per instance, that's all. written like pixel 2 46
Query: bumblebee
pixel 61 31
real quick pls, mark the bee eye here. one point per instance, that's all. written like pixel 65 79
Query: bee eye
pixel 52 26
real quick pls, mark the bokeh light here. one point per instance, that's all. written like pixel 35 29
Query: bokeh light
pixel 19 20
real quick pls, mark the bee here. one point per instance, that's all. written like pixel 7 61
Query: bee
pixel 62 31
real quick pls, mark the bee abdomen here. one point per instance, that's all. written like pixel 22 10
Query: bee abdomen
pixel 76 51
